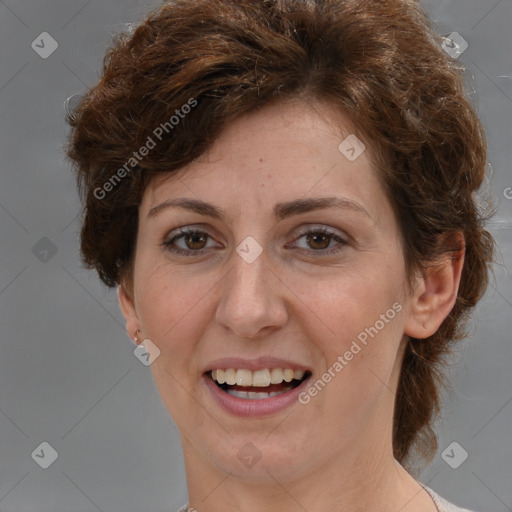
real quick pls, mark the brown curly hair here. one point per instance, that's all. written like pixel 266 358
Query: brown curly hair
pixel 381 63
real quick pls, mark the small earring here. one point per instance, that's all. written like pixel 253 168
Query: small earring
pixel 136 337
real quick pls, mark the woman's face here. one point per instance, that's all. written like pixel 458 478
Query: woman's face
pixel 270 281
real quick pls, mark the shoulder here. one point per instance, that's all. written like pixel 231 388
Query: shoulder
pixel 442 504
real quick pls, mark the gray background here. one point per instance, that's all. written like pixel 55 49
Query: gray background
pixel 68 375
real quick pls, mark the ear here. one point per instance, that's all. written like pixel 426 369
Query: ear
pixel 126 302
pixel 436 292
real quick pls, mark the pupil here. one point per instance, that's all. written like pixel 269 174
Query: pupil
pixel 195 238
pixel 313 239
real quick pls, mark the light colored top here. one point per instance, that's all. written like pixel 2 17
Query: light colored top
pixel 441 503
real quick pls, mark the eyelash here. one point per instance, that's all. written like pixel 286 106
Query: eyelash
pixel 323 231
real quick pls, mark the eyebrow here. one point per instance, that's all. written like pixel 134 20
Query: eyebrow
pixel 281 210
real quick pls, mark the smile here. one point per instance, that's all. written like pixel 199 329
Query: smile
pixel 243 392
pixel 259 384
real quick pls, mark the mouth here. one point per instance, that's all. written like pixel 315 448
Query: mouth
pixel 255 387
pixel 262 384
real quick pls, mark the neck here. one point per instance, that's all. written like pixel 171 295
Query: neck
pixel 351 482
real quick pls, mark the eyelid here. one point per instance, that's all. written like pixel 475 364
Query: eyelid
pixel 302 230
pixel 178 233
pixel 335 234
pixel 320 228
pixel 187 228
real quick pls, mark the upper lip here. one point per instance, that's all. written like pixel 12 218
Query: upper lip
pixel 259 363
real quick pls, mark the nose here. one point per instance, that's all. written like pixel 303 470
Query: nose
pixel 253 301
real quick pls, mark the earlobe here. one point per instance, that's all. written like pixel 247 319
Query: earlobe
pixel 436 293
pixel 126 303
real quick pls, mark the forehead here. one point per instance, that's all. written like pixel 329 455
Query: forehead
pixel 278 153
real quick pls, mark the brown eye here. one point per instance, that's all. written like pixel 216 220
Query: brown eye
pixel 318 240
pixel 195 240
pixel 188 242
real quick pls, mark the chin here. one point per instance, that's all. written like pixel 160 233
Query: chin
pixel 264 458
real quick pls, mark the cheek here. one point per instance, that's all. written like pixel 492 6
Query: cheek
pixel 344 304
pixel 356 383
pixel 358 319
pixel 171 305
pixel 172 310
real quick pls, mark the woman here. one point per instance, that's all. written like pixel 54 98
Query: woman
pixel 282 190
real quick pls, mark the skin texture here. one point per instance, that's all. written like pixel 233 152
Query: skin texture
pixel 334 453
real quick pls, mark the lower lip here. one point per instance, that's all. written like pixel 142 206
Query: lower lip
pixel 259 407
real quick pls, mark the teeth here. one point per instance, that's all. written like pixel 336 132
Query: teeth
pixel 244 377
pixel 298 374
pixel 230 376
pixel 259 378
pixel 288 375
pixel 258 395
pixel 276 376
